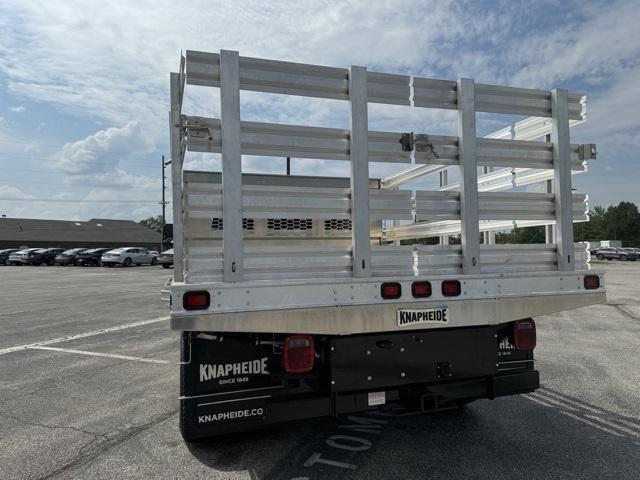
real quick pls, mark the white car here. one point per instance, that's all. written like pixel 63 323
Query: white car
pixel 128 256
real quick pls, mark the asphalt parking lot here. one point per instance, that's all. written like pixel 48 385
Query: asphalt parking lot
pixel 89 387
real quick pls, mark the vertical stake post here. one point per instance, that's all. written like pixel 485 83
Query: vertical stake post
pixel 231 165
pixel 562 179
pixel 175 127
pixel 467 155
pixel 444 180
pixel 359 156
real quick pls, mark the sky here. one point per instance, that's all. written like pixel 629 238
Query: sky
pixel 84 84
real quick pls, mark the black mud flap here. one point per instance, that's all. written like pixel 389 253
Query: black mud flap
pixel 225 382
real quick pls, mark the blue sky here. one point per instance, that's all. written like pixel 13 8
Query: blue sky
pixel 84 85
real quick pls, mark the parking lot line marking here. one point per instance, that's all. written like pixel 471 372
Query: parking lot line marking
pixel 587 418
pixel 593 424
pixel 99 354
pixel 83 335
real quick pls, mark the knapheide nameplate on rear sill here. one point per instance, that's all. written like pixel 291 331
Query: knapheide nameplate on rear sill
pixel 408 317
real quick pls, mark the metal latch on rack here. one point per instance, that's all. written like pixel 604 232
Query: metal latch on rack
pixel 418 141
pixel 587 151
pixel 197 128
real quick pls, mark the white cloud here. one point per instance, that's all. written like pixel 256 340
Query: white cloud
pixel 104 150
pixel 113 67
pixel 9 192
pixel 18 109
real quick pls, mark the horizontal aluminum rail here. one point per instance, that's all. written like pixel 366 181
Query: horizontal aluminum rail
pixel 271 139
pixel 290 78
pixel 300 262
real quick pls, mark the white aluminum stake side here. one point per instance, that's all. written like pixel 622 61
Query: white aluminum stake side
pixel 309 254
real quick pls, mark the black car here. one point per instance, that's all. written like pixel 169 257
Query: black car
pixel 68 257
pixel 46 256
pixel 612 253
pixel 90 257
pixel 4 255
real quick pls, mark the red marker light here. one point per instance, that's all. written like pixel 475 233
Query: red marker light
pixel 390 290
pixel 196 300
pixel 451 288
pixel 421 289
pixel 591 282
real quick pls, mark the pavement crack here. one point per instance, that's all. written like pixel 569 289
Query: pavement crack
pixel 86 454
pixel 51 427
pixel 624 310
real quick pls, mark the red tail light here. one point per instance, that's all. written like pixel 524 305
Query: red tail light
pixel 524 334
pixel 591 282
pixel 451 288
pixel 421 289
pixel 196 300
pixel 390 290
pixel 299 353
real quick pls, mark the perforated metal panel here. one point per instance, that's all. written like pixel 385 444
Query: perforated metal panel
pixel 289 223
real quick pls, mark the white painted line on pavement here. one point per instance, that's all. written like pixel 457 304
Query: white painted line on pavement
pixel 92 333
pixel 593 424
pixel 99 354
pixel 613 425
pixel 589 420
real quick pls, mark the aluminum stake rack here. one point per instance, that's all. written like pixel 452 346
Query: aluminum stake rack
pixel 314 255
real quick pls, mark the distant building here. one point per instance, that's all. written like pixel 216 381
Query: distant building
pixel 97 232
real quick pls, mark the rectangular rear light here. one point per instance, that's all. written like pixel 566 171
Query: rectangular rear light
pixel 299 353
pixel 524 334
pixel 390 290
pixel 451 288
pixel 196 300
pixel 421 289
pixel 591 282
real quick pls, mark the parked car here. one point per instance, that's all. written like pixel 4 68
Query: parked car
pixel 632 254
pixel 20 257
pixel 90 257
pixel 128 256
pixel 46 256
pixel 611 253
pixel 166 258
pixel 4 255
pixel 68 257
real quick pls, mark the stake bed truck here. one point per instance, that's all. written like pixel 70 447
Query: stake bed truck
pixel 295 296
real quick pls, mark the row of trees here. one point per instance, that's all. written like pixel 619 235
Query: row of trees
pixel 619 222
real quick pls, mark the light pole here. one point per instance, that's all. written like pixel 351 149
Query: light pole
pixel 163 203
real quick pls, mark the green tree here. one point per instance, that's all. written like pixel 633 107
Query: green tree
pixel 522 235
pixel 619 222
pixel 153 223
